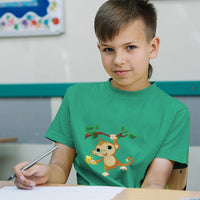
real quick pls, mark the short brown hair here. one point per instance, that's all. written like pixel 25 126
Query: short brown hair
pixel 114 15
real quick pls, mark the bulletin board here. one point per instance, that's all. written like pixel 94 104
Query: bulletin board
pixel 31 17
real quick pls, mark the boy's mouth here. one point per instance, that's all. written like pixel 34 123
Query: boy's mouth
pixel 121 72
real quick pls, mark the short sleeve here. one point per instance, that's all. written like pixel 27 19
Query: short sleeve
pixel 60 128
pixel 176 144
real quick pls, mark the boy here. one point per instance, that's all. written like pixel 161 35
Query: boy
pixel 125 131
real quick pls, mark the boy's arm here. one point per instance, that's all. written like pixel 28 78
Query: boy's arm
pixel 158 173
pixel 61 163
pixel 56 172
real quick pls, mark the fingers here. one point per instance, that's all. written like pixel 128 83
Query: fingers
pixel 24 183
pixel 23 178
pixel 35 175
pixel 18 169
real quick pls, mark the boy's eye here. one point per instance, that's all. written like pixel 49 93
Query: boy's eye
pixel 131 47
pixel 107 50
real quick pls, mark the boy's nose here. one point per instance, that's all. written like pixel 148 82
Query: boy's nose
pixel 119 58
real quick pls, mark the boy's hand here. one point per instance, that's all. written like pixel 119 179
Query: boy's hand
pixel 35 175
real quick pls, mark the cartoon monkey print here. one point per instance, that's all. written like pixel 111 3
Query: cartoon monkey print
pixel 107 151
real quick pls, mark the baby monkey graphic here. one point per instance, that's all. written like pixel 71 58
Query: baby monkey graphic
pixel 107 151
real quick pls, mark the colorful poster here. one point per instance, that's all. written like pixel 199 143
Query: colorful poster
pixel 31 17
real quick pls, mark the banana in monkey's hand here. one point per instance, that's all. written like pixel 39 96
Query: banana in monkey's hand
pixel 89 160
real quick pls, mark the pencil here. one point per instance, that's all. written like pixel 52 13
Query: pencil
pixel 34 161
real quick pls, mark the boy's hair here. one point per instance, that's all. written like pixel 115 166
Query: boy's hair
pixel 114 15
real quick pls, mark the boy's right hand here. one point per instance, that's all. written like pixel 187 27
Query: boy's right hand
pixel 36 175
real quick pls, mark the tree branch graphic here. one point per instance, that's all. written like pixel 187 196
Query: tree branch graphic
pixel 93 131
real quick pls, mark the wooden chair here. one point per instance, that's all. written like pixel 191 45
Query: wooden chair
pixel 178 179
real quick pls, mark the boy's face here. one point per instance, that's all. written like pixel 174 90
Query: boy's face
pixel 126 57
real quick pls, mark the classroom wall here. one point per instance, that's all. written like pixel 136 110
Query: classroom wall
pixel 70 57
pixel 74 57
pixel 179 32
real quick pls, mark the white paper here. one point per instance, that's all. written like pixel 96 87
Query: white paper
pixel 190 199
pixel 61 193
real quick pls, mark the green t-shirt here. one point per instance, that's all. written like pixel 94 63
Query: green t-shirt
pixel 148 124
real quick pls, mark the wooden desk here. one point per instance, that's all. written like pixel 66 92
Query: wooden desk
pixel 138 194
pixel 3 140
pixel 6 183
pixel 155 194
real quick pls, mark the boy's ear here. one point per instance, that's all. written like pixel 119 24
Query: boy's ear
pixel 98 45
pixel 155 43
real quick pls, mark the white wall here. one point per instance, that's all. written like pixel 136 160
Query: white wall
pixel 73 56
pixel 179 31
pixel 193 169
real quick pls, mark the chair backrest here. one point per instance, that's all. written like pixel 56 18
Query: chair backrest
pixel 178 179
